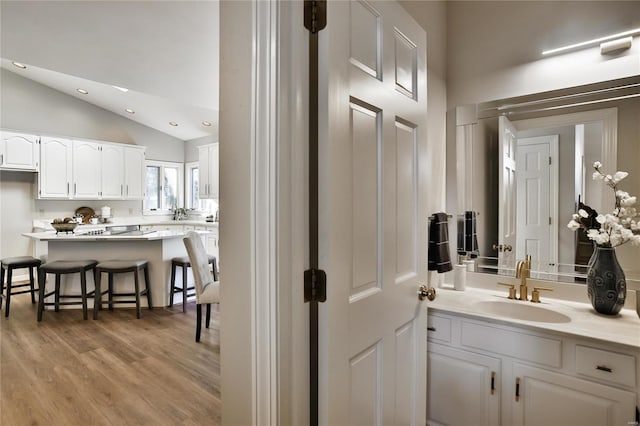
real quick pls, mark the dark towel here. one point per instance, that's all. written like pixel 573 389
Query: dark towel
pixel 467 236
pixel 439 258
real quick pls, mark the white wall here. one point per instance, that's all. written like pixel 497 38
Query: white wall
pixel 191 147
pixel 29 106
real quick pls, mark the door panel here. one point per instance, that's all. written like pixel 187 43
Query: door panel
pixel 372 218
pixel 507 197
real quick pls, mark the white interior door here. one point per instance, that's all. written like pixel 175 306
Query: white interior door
pixel 534 195
pixel 373 235
pixel 507 197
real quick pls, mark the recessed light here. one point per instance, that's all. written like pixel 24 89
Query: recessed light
pixel 173 123
pixel 84 92
pixel 19 65
pixel 130 111
pixel 206 123
pixel 122 89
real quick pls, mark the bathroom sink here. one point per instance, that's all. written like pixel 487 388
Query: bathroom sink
pixel 521 310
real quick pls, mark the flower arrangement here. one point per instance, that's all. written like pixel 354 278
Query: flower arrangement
pixel 611 229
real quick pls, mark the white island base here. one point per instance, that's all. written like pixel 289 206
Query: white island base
pixel 159 248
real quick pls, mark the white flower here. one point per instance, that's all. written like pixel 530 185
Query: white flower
pixel 583 213
pixel 597 165
pixel 575 216
pixel 619 176
pixel 573 225
pixel 597 175
pixel 600 219
pixel 629 201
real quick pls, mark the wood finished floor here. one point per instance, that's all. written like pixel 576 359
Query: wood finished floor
pixel 117 370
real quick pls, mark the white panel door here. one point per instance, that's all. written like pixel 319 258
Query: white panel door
pixel 507 138
pixel 112 158
pixel 54 179
pixel 534 194
pixel 373 235
pixel 86 170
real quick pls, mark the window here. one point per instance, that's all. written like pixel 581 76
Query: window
pixel 164 187
pixel 192 188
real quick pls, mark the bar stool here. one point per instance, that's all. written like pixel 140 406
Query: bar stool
pixel 10 264
pixel 112 267
pixel 59 268
pixel 184 263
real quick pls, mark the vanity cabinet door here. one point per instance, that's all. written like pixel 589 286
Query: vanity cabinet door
pixel 541 397
pixel 463 388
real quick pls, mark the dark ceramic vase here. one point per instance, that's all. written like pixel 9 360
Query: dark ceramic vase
pixel 606 284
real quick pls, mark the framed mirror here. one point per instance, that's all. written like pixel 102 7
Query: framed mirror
pixel 524 165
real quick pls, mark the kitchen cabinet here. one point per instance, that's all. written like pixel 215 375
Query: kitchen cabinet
pixel 86 168
pixel 90 170
pixel 208 186
pixel 19 151
pixel 134 172
pixel 54 179
pixel 490 373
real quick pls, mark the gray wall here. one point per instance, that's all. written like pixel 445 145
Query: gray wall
pixel 31 107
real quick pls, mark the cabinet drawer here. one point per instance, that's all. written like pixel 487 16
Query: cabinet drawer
pixel 541 350
pixel 605 365
pixel 439 328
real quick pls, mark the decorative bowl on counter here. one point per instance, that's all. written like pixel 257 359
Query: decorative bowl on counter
pixel 64 227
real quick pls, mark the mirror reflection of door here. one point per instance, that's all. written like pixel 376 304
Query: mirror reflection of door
pixel 507 195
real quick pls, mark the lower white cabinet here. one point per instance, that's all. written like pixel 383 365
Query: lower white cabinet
pixel 483 373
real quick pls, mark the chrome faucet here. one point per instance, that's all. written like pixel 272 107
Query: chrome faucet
pixel 523 271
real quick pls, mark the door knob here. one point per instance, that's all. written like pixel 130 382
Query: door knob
pixel 428 292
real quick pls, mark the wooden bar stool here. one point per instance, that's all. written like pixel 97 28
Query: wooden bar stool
pixel 184 263
pixel 59 268
pixel 10 264
pixel 112 267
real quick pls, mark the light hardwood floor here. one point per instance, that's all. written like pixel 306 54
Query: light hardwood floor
pixel 117 370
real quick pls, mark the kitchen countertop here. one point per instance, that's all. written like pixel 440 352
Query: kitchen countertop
pixel 149 236
pixel 623 328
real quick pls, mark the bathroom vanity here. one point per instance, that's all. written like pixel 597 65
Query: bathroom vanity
pixel 495 361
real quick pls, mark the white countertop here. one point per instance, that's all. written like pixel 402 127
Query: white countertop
pixel 150 236
pixel 623 328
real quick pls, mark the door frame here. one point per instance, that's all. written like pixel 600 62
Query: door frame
pixel 263 213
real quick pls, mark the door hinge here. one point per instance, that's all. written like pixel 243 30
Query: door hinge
pixel 315 15
pixel 315 285
pixel 549 160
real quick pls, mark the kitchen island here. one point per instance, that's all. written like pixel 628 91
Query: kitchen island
pixel 158 247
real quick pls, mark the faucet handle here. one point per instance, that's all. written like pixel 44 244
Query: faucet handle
pixel 535 294
pixel 512 290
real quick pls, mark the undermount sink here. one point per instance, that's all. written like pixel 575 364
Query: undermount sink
pixel 521 311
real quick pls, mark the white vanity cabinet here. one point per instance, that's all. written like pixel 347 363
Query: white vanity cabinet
pixel 208 171
pixel 486 373
pixel 19 151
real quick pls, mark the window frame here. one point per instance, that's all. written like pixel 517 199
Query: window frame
pixel 165 210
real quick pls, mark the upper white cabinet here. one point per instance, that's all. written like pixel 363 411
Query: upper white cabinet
pixel 208 170
pixel 54 180
pixel 19 151
pixel 134 172
pixel 89 170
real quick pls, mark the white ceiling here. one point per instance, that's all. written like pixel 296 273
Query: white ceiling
pixel 164 52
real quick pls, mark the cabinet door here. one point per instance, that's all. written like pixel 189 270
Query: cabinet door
pixel 86 170
pixel 54 180
pixel 463 388
pixel 542 397
pixel 203 172
pixel 19 151
pixel 214 156
pixel 134 172
pixel 112 160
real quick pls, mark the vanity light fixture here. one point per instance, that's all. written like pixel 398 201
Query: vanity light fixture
pixel 594 41
pixel 122 89
pixel 130 111
pixel 173 123
pixel 206 123
pixel 84 92
pixel 19 65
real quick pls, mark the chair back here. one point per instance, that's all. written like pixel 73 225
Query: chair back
pixel 199 264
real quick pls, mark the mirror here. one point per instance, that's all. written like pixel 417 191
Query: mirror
pixel 509 151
